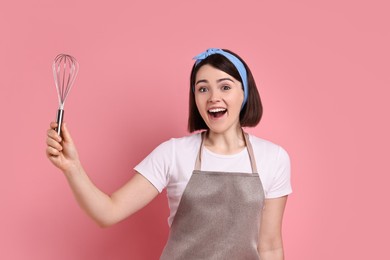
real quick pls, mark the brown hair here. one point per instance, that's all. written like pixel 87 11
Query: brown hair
pixel 252 111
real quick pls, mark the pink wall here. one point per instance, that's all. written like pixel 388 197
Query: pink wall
pixel 323 73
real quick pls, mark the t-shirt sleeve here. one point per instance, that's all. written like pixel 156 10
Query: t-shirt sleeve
pixel 157 165
pixel 281 183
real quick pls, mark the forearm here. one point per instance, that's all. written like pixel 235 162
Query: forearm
pixel 93 201
pixel 270 236
pixel 63 154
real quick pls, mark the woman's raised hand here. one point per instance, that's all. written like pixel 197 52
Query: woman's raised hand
pixel 61 151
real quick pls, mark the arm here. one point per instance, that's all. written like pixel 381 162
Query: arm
pixel 104 209
pixel 270 237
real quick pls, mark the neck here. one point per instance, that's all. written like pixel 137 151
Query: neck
pixel 230 142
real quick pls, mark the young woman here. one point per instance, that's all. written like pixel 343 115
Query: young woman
pixel 227 190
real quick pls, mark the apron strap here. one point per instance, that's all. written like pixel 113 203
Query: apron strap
pixel 248 146
pixel 199 155
pixel 251 153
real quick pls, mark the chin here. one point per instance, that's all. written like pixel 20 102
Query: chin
pixel 221 129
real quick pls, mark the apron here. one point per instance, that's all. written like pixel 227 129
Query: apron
pixel 218 216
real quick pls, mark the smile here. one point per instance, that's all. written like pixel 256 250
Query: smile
pixel 216 112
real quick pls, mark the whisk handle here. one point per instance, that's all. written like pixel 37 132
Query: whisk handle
pixel 60 117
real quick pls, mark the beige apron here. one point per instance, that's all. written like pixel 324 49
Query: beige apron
pixel 218 216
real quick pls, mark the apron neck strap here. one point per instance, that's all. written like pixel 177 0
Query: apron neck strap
pixel 248 146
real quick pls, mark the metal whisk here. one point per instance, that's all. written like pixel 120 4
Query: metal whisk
pixel 65 69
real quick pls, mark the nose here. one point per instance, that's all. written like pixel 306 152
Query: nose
pixel 214 97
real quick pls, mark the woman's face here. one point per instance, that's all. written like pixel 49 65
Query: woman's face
pixel 218 97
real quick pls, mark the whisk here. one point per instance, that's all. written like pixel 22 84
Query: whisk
pixel 65 69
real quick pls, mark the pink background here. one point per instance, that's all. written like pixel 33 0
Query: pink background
pixel 322 68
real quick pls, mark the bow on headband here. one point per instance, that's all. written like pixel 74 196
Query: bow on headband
pixel 233 59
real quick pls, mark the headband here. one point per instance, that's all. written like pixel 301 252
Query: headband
pixel 233 59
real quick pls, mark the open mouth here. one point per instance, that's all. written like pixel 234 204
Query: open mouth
pixel 216 112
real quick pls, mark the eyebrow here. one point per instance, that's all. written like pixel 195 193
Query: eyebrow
pixel 206 81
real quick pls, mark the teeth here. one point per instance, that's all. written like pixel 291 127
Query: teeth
pixel 215 110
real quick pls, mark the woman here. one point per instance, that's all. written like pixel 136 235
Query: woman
pixel 227 190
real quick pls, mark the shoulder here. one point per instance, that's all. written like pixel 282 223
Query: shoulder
pixel 263 144
pixel 186 140
pixel 166 162
pixel 268 150
pixel 180 144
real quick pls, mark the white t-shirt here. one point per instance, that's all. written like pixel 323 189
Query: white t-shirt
pixel 171 164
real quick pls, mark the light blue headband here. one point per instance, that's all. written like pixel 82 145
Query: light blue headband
pixel 233 59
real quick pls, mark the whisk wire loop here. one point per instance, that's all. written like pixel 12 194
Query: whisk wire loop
pixel 65 69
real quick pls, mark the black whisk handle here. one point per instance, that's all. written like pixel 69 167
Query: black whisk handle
pixel 60 117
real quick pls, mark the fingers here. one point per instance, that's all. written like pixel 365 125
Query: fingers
pixel 51 151
pixel 53 141
pixel 52 133
pixel 53 125
pixel 53 148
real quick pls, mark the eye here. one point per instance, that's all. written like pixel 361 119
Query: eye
pixel 202 89
pixel 226 87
